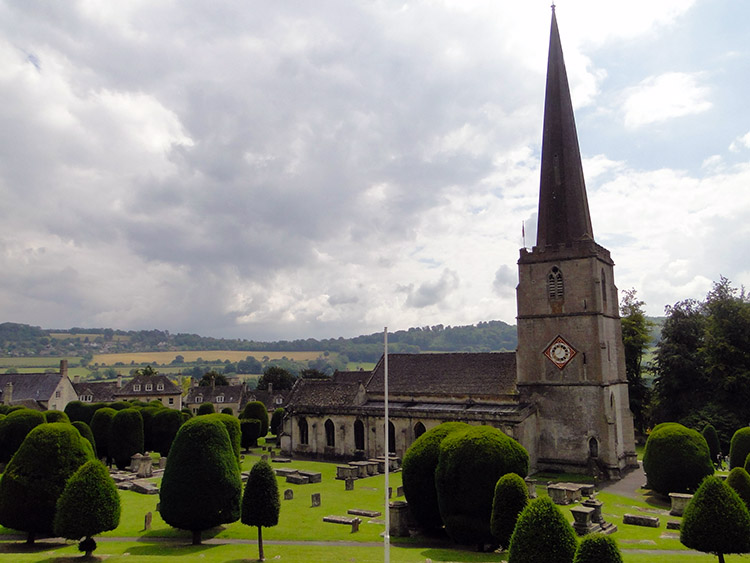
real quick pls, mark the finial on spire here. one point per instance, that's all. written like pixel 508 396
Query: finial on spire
pixel 553 7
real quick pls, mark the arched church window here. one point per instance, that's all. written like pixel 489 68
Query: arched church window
pixel 593 447
pixel 359 435
pixel 330 434
pixel 604 287
pixel 303 435
pixel 555 288
pixel 419 429
pixel 391 438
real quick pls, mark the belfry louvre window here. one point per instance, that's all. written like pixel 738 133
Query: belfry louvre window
pixel 555 288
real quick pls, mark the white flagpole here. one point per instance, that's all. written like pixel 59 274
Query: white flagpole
pixel 387 535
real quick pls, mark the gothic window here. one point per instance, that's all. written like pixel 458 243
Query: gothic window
pixel 391 438
pixel 555 288
pixel 303 436
pixel 593 447
pixel 330 434
pixel 604 288
pixel 419 429
pixel 359 435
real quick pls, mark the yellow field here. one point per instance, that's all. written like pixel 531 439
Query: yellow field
pixel 206 355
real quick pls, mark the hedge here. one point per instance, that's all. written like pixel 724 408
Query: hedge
pixel 739 480
pixel 101 425
pixel 125 437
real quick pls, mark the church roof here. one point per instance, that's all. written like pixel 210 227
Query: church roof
pixel 475 374
pixel 563 207
pixel 323 393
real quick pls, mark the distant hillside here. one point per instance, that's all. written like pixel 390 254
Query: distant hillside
pixel 19 340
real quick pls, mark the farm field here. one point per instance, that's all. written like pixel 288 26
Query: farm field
pixel 206 355
pixel 302 536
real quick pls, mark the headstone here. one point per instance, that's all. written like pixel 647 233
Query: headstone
pixel 162 462
pixel 312 476
pixel 264 457
pixel 147 521
pixel 399 518
pixel 143 487
pixel 390 492
pixel 365 513
pixel 315 498
pixel 531 485
pixel 355 524
pixel 135 462
pixel 288 494
pixel 346 472
pixel 400 491
pixel 679 503
pixel 145 467
pixel 297 479
pixel 349 485
pixel 673 525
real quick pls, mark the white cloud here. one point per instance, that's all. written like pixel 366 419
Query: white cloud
pixel 664 97
pixel 740 142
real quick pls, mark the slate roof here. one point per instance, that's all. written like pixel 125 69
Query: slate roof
pixel 231 393
pixel 269 399
pixel 100 391
pixel 472 374
pixel 351 376
pixel 322 393
pixel 33 386
pixel 128 388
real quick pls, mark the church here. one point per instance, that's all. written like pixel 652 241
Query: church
pixel 562 394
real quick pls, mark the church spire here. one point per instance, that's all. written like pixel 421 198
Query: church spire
pixel 563 207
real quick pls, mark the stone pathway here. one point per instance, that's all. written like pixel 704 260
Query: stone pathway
pixel 629 485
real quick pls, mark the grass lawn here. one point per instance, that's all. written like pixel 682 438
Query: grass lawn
pixel 302 536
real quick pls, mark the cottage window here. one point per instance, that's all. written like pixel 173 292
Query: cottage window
pixel 86 398
pixel 57 394
pixel 149 387
pixel 330 434
pixel 303 435
pixel 199 399
pixel 279 400
pixel 220 399
pixel 160 387
pixel 136 387
pixel 555 288
pixel 171 400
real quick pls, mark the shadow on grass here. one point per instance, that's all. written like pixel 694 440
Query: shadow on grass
pixel 176 550
pixel 23 547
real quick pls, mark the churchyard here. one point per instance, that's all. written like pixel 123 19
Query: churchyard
pixel 303 536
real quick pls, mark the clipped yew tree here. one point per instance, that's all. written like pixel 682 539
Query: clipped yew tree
pixel 36 476
pixel 206 408
pixel 165 425
pixel 233 427
pixel 676 459
pixel 125 436
pixel 88 505
pixel 250 430
pixel 469 466
pixel 14 428
pixel 277 419
pixel 201 487
pixel 258 411
pixel 86 432
pixel 418 474
pixel 147 414
pixel 542 534
pixel 101 426
pixel 598 548
pixel 716 520
pixel 511 497
pixel 260 503
pixel 739 480
pixel 712 439
pixel 55 416
pixel 739 447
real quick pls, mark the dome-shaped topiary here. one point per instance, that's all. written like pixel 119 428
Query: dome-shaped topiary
pixel 55 416
pixel 716 520
pixel 676 459
pixel 101 425
pixel 739 447
pixel 598 548
pixel 86 432
pixel 542 534
pixel 206 408
pixel 165 425
pixel 511 497
pixel 712 439
pixel 739 480
pixel 233 427
pixel 250 430
pixel 747 463
pixel 276 420
pixel 14 428
pixel 125 437
pixel 258 411
pixel 36 476
pixel 469 466
pixel 418 473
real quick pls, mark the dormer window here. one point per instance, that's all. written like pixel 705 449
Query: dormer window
pixel 149 387
pixel 555 288
pixel 160 387
pixel 199 399
pixel 137 387
pixel 279 400
pixel 220 399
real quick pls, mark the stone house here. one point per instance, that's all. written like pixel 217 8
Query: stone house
pixel 40 391
pixel 141 387
pixel 221 396
pixel 563 394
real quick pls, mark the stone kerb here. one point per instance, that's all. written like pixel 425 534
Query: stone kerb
pixel 679 503
pixel 640 520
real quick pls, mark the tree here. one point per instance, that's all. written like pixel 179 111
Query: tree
pixel 277 418
pixel 250 430
pixel 418 474
pixel 206 408
pixel 101 426
pixel 469 466
pixel 739 480
pixel 258 411
pixel 636 339
pixel 36 476
pixel 276 376
pixel 542 534
pixel 201 487
pixel 85 431
pixel 125 436
pixel 88 505
pixel 148 370
pixel 233 428
pixel 165 426
pixel 598 548
pixel 739 447
pixel 716 520
pixel 55 416
pixel 213 378
pixel 712 439
pixel 676 459
pixel 312 373
pixel 14 428
pixel 511 497
pixel 260 503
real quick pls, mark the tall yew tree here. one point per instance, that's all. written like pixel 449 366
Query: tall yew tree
pixel 636 338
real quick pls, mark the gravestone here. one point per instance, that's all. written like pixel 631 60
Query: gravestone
pixel 400 491
pixel 349 485
pixel 399 518
pixel 135 462
pixel 288 494
pixel 162 462
pixel 147 521
pixel 315 498
pixel 390 492
pixel 640 520
pixel 531 485
pixel 264 457
pixel 145 467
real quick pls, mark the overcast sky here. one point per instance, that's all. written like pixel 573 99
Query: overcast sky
pixel 320 169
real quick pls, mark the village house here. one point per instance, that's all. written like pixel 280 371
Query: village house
pixel 145 388
pixel 39 391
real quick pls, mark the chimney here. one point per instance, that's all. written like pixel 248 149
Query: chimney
pixel 119 381
pixel 270 388
pixel 76 379
pixel 64 368
pixel 8 394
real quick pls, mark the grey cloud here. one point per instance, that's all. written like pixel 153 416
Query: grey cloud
pixel 432 293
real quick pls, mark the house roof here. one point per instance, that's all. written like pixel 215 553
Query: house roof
pixel 475 374
pixel 269 399
pixel 128 388
pixel 312 393
pixel 34 386
pixel 208 394
pixel 100 391
pixel 351 376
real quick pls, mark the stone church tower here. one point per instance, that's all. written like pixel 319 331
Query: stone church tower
pixel 570 357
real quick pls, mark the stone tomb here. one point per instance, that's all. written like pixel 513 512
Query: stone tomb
pixel 566 493
pixel 353 522
pixel 346 472
pixel 679 503
pixel 640 520
pixel 588 518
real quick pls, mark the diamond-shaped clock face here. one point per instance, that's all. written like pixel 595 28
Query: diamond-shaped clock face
pixel 560 352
